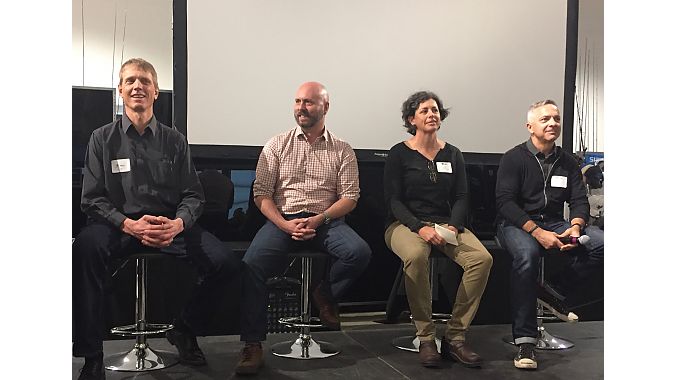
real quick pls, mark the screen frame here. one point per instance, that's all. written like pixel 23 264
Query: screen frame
pixel 180 56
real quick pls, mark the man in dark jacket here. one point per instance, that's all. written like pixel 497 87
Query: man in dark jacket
pixel 534 180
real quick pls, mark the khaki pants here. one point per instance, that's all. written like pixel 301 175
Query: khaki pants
pixel 470 254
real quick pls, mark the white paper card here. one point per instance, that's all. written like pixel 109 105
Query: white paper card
pixel 444 167
pixel 559 181
pixel 120 166
pixel 447 234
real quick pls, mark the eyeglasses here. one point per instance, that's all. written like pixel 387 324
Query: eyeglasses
pixel 432 171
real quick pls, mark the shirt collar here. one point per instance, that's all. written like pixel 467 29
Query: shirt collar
pixel 126 123
pixel 531 148
pixel 299 132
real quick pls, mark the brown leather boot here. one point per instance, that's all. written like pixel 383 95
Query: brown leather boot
pixel 429 356
pixel 250 359
pixel 328 310
pixel 459 351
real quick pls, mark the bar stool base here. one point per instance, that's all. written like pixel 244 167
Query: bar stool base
pixel 304 347
pixel 141 358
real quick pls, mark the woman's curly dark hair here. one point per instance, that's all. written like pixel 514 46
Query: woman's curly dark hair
pixel 411 105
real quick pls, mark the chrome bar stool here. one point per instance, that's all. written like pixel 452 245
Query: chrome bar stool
pixel 546 341
pixel 141 357
pixel 304 347
pixel 411 342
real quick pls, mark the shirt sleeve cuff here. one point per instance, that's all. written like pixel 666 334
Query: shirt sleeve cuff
pixel 116 219
pixel 457 225
pixel 416 227
pixel 187 219
pixel 522 220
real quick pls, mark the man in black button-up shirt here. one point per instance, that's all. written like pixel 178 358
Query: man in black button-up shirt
pixel 141 191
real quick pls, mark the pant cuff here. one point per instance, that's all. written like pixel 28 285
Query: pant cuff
pixel 525 339
pixel 455 336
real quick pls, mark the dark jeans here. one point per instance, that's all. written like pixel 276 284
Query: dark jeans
pixel 267 257
pixel 526 251
pixel 100 243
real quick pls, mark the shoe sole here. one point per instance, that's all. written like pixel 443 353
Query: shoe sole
pixel 183 361
pixel 528 364
pixel 456 358
pixel 434 364
pixel 548 288
pixel 571 317
pixel 248 370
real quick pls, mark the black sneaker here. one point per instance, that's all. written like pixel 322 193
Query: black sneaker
pixel 555 303
pixel 93 369
pixel 525 358
pixel 188 350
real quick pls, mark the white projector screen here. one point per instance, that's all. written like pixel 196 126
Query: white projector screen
pixel 487 60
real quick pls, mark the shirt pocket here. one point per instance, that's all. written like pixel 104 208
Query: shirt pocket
pixel 162 172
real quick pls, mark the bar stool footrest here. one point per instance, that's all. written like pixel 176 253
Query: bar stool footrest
pixel 151 329
pixel 441 317
pixel 298 322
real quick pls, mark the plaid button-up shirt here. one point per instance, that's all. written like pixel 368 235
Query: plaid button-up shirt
pixel 304 177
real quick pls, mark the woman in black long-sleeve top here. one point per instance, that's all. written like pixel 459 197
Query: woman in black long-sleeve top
pixel 426 188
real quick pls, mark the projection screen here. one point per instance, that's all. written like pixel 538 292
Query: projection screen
pixel 487 60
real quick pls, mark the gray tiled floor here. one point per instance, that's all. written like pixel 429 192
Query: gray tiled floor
pixel 367 354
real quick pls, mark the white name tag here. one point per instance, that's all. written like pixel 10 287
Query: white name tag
pixel 559 181
pixel 120 166
pixel 444 167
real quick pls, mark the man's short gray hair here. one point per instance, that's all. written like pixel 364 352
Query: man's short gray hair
pixel 538 105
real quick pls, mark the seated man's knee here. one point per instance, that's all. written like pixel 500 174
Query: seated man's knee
pixel 251 270
pixel 360 254
pixel 262 267
pixel 486 260
pixel 91 243
pixel 416 261
pixel 227 259
pixel 526 259
pixel 596 235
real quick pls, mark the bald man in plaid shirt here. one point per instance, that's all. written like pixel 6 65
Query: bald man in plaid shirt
pixel 306 182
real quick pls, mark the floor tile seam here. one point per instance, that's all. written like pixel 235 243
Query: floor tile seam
pixel 376 355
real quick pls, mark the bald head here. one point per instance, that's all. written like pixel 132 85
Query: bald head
pixel 315 89
pixel 311 105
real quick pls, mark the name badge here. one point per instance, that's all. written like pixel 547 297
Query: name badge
pixel 120 166
pixel 559 181
pixel 444 167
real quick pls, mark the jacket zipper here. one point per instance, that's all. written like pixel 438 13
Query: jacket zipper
pixel 544 188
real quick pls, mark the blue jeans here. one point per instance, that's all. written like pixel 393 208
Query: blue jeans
pixel 267 257
pixel 526 251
